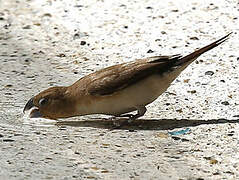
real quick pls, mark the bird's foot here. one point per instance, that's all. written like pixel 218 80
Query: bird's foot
pixel 129 116
pixel 117 121
pixel 119 124
pixel 121 121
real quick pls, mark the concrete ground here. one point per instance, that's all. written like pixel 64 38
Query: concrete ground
pixel 55 42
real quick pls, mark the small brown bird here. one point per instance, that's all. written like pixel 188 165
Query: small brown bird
pixel 115 90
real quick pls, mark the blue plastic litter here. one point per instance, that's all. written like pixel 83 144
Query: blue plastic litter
pixel 181 132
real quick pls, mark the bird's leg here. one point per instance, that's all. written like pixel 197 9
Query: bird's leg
pixel 140 112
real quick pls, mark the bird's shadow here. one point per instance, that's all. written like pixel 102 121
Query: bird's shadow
pixel 144 124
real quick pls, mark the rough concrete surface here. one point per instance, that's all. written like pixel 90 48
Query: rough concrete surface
pixel 55 42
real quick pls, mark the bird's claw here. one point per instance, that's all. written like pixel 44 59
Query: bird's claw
pixel 130 116
pixel 118 124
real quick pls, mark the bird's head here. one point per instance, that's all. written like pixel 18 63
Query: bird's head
pixel 52 103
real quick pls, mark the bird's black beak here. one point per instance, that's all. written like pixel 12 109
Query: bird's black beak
pixel 35 113
pixel 29 105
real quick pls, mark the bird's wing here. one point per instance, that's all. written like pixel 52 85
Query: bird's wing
pixel 112 79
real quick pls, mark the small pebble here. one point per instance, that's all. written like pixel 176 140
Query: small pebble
pixel 176 138
pixel 162 135
pixel 26 27
pixel 213 161
pixel 6 26
pixel 47 15
pixel 194 38
pixel 37 24
pixel 186 80
pixel 8 85
pixel 82 43
pixel 76 36
pixel 79 6
pixel 209 73
pixel 61 55
pixel 179 110
pixel 150 51
pixel 192 92
pixel 226 103
pixel 8 140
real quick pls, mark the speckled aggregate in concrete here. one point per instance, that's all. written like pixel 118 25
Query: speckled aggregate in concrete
pixel 47 43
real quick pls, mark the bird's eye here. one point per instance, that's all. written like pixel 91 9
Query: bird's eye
pixel 42 101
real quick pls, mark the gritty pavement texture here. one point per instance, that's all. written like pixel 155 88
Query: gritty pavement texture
pixel 190 132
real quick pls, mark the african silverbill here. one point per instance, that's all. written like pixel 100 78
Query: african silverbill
pixel 115 90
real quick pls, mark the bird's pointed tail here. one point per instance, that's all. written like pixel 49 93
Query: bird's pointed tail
pixel 191 57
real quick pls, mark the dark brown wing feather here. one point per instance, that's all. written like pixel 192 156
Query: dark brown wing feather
pixel 112 79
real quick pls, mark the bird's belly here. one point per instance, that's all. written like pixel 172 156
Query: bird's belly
pixel 127 100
